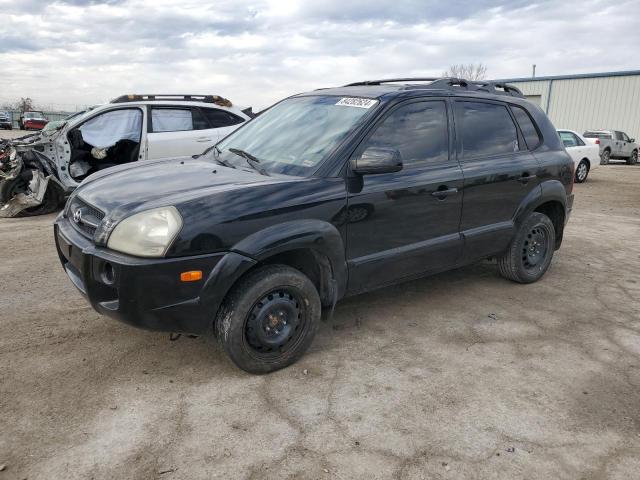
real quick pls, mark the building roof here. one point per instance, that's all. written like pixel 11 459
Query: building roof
pixel 571 77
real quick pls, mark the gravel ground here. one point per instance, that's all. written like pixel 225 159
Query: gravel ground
pixel 461 375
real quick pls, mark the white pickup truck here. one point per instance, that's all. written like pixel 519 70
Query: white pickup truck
pixel 614 144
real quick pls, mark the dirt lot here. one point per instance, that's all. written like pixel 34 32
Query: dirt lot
pixel 462 375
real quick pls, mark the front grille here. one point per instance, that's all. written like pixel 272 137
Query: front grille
pixel 84 217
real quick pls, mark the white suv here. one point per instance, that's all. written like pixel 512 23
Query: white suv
pixel 49 165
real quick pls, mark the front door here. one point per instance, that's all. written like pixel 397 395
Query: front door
pixel 406 223
pixel 499 172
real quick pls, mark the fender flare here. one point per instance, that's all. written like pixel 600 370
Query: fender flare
pixel 547 191
pixel 321 237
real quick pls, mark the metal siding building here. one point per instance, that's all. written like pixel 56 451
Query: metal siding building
pixel 603 101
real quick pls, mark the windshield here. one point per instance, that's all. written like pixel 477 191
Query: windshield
pixel 296 135
pixel 33 115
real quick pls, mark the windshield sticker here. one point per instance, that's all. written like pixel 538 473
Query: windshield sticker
pixel 357 102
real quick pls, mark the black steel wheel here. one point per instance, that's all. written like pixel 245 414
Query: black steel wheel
pixel 582 171
pixel 531 250
pixel 269 318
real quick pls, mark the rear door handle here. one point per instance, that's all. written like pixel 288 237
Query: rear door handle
pixel 203 139
pixel 526 178
pixel 443 192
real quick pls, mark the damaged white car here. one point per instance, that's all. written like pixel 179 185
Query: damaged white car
pixel 38 171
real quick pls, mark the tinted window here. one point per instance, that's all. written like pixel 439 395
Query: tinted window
pixel 625 137
pixel 528 129
pixel 485 129
pixel 220 118
pixel 619 136
pixel 568 139
pixel 418 131
pixel 603 136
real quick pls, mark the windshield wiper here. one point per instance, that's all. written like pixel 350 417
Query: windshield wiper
pixel 251 160
pixel 216 156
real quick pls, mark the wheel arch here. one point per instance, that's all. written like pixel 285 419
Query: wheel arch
pixel 551 199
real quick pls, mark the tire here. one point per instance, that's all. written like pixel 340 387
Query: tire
pixel 582 171
pixel 520 262
pixel 633 159
pixel 605 158
pixel 50 201
pixel 269 319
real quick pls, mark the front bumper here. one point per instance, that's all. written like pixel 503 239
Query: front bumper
pixel 146 293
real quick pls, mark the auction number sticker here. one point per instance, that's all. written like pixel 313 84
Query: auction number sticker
pixel 357 102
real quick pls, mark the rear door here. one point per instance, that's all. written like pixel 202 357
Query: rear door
pixel 405 224
pixel 177 131
pixel 499 172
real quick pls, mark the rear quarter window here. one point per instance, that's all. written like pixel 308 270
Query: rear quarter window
pixel 528 128
pixel 220 118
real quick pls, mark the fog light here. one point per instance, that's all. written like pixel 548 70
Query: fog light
pixel 108 275
pixel 191 276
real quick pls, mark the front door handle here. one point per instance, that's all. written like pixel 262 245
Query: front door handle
pixel 525 178
pixel 443 191
pixel 203 139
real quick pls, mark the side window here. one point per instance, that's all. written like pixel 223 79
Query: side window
pixel 171 119
pixel 568 139
pixel 485 129
pixel 619 136
pixel 419 131
pixel 625 137
pixel 105 129
pixel 527 127
pixel 221 118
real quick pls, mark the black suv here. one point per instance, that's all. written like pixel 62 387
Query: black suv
pixel 326 194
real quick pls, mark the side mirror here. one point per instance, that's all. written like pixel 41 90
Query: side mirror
pixel 377 160
pixel 631 140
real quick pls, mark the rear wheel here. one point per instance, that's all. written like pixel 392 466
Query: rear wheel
pixel 605 157
pixel 582 171
pixel 531 250
pixel 269 319
pixel 633 159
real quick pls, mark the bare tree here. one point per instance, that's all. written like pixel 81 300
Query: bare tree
pixel 25 104
pixel 469 71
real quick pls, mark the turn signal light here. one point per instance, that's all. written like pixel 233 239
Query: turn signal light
pixel 191 276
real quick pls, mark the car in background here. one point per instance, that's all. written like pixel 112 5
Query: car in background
pixel 613 144
pixel 50 164
pixel 5 121
pixel 32 121
pixel 585 155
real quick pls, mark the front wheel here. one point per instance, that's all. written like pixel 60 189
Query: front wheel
pixel 269 319
pixel 633 159
pixel 581 172
pixel 531 250
pixel 20 184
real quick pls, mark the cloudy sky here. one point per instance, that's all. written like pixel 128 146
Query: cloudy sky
pixel 255 52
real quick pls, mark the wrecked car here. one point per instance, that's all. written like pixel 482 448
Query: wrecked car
pixel 5 120
pixel 38 171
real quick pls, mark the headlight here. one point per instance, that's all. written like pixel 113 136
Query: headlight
pixel 146 234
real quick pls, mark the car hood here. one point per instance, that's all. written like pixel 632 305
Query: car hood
pixel 126 189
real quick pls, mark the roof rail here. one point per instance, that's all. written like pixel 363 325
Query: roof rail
pixel 223 102
pixel 449 83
